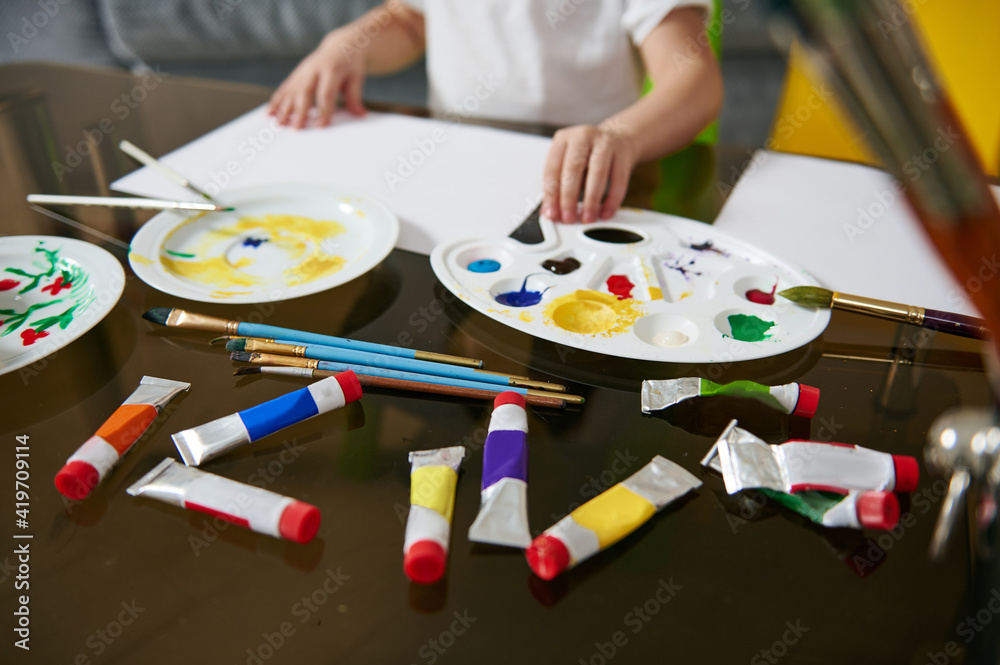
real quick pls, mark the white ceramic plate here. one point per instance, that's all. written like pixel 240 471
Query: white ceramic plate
pixel 677 291
pixel 282 241
pixel 52 291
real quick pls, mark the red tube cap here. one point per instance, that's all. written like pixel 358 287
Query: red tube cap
pixel 878 510
pixel 807 402
pixel 350 385
pixel 76 480
pixel 907 473
pixel 299 522
pixel 547 556
pixel 509 397
pixel 424 562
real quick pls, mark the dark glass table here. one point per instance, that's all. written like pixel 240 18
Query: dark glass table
pixel 713 578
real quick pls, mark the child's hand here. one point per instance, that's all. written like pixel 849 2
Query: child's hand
pixel 601 155
pixel 326 72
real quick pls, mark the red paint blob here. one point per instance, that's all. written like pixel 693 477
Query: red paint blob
pixel 29 336
pixel 620 286
pixel 8 284
pixel 762 297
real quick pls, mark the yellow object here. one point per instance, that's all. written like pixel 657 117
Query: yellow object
pixel 434 487
pixel 962 39
pixel 591 312
pixel 614 514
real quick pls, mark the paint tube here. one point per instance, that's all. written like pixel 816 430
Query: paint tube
pixel 210 440
pixel 252 507
pixel 794 398
pixel 503 511
pixel 433 476
pixel 94 460
pixel 608 517
pixel 747 462
pixel 855 510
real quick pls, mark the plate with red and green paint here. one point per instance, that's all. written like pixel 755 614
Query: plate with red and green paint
pixel 52 291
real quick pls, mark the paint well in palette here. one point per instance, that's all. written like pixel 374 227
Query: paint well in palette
pixel 483 266
pixel 669 339
pixel 620 286
pixel 564 267
pixel 591 312
pixel 762 297
pixel 749 328
pixel 521 298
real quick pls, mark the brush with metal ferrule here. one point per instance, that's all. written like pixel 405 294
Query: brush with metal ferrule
pixel 341 355
pixel 932 319
pixel 179 318
pixel 403 384
pixel 276 360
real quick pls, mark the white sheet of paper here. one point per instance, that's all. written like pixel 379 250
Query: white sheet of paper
pixel 844 224
pixel 444 180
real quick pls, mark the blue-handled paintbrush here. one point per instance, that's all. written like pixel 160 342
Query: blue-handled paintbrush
pixel 179 318
pixel 352 358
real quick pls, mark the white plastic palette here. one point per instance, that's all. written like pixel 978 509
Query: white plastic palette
pixel 672 292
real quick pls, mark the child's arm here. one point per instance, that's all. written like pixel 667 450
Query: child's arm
pixel 686 96
pixel 386 39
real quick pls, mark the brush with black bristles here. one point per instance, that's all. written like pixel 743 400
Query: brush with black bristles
pixel 932 319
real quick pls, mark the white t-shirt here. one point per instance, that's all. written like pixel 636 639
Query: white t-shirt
pixel 561 62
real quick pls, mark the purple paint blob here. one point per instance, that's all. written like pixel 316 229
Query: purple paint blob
pixel 505 456
pixel 522 298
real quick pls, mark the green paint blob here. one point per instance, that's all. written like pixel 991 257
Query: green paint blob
pixel 180 254
pixel 747 328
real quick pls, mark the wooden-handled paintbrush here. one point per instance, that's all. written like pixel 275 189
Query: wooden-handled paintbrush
pixel 932 319
pixel 532 399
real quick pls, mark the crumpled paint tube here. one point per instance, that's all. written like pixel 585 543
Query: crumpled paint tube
pixel 503 513
pixel 794 398
pixel 94 460
pixel 750 463
pixel 608 517
pixel 252 507
pixel 433 477
pixel 210 440
pixel 870 509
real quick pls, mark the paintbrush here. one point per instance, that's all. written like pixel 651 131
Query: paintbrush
pixel 932 319
pixel 271 359
pixel 179 318
pixel 353 357
pixel 124 202
pixel 402 384
pixel 287 342
pixel 143 157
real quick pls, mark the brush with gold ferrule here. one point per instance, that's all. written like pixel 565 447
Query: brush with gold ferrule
pixel 405 385
pixel 932 319
pixel 270 359
pixel 352 357
pixel 179 318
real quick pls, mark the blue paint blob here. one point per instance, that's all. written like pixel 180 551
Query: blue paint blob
pixel 253 242
pixel 483 265
pixel 522 298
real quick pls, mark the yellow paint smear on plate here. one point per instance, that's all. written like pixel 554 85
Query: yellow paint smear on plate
pixel 142 260
pixel 591 312
pixel 300 238
pixel 526 317
pixel 217 271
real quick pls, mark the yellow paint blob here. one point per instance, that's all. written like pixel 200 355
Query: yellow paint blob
pixel 434 487
pixel 614 514
pixel 592 312
pixel 655 293
pixel 217 271
pixel 526 317
pixel 142 260
pixel 299 238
